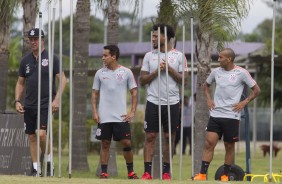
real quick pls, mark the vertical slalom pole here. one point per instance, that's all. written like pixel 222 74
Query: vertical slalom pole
pixel 168 103
pixel 272 91
pixel 50 87
pixel 39 95
pixel 71 90
pixel 60 91
pixel 192 95
pixel 182 102
pixel 51 122
pixel 159 93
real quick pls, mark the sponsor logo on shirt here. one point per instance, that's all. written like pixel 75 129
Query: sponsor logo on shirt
pixel 44 62
pixel 27 68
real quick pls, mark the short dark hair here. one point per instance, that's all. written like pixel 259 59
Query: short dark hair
pixel 169 29
pixel 229 53
pixel 114 50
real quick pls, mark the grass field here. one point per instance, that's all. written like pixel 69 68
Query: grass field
pixel 259 165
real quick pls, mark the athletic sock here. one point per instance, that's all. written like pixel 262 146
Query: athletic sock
pixel 49 158
pixel 129 167
pixel 226 169
pixel 104 168
pixel 148 167
pixel 204 167
pixel 166 167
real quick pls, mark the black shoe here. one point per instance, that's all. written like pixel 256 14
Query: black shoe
pixel 49 169
pixel 34 173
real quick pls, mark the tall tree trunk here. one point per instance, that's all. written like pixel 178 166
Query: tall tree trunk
pixel 204 47
pixel 4 59
pixel 113 18
pixel 81 40
pixel 30 10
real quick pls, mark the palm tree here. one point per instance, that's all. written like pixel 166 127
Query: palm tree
pixel 30 10
pixel 6 12
pixel 216 21
pixel 81 40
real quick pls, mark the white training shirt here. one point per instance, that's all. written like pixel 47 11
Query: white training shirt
pixel 228 91
pixel 150 64
pixel 113 86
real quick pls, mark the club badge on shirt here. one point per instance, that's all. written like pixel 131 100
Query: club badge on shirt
pixel 119 76
pixel 44 62
pixel 233 78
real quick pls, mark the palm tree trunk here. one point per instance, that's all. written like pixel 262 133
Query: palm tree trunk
pixel 204 49
pixel 30 10
pixel 81 40
pixel 113 18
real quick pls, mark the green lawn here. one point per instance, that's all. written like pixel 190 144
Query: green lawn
pixel 259 165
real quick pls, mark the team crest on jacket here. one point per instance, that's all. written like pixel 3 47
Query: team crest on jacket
pixel 44 62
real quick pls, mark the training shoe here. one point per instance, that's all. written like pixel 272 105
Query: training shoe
pixel 104 176
pixel 224 178
pixel 34 173
pixel 49 169
pixel 132 175
pixel 146 176
pixel 200 177
pixel 166 176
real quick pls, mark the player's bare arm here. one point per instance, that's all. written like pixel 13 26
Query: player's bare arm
pixel 210 102
pixel 94 99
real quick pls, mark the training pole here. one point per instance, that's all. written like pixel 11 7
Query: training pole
pixel 272 90
pixel 192 96
pixel 182 102
pixel 168 103
pixel 60 91
pixel 39 95
pixel 71 90
pixel 159 93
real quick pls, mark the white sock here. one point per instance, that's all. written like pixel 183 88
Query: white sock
pixel 35 164
pixel 49 158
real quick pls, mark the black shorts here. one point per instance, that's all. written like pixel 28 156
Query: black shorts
pixel 30 120
pixel 118 130
pixel 226 127
pixel 151 123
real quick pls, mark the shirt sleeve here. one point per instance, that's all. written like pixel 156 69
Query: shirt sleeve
pixel 180 63
pixel 131 80
pixel 96 81
pixel 247 79
pixel 145 64
pixel 211 77
pixel 21 71
pixel 56 65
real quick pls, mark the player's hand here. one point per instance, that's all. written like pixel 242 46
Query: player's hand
pixel 162 65
pixel 210 104
pixel 19 107
pixel 55 105
pixel 239 106
pixel 96 118
pixel 128 117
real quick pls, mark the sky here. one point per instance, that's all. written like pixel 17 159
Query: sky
pixel 258 12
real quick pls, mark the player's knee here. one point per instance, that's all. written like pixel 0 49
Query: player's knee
pixel 127 149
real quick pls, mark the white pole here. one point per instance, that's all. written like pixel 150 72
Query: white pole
pixel 60 91
pixel 192 95
pixel 39 96
pixel 272 89
pixel 71 90
pixel 168 105
pixel 255 122
pixel 159 93
pixel 51 83
pixel 141 2
pixel 182 102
